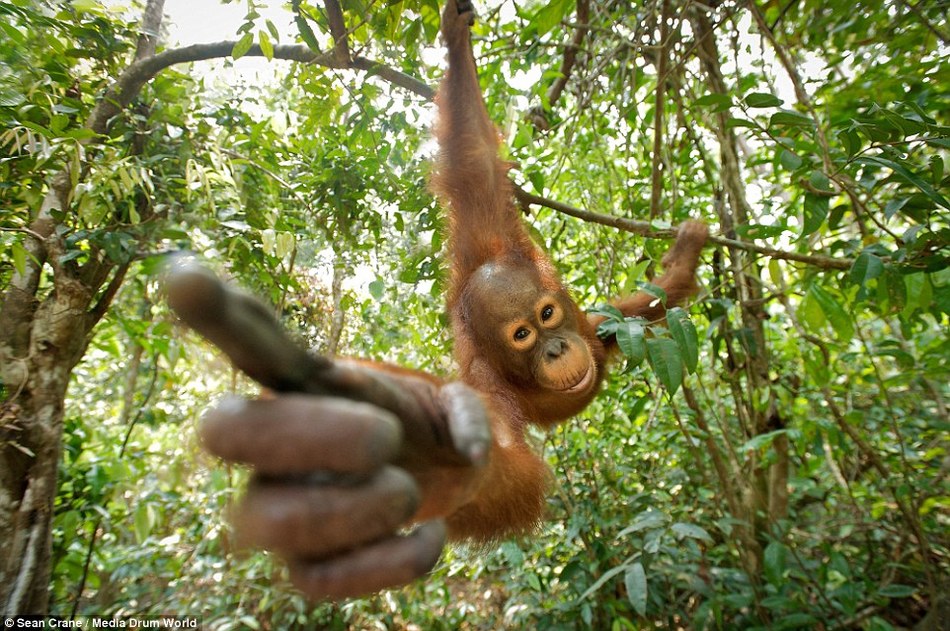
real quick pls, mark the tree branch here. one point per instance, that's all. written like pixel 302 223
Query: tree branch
pixel 105 300
pixel 537 114
pixel 646 229
pixel 915 9
pixel 150 29
pixel 32 233
pixel 141 72
pixel 341 47
pixel 656 175
pixel 570 53
pixel 393 76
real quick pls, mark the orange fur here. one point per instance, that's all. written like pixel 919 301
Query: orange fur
pixel 485 227
pixel 488 246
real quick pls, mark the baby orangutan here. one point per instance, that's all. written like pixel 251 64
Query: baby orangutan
pixel 347 453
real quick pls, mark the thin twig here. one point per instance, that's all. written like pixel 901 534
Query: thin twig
pixel 648 230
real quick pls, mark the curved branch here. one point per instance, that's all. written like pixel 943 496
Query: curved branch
pixel 646 229
pixel 141 72
pixel 32 233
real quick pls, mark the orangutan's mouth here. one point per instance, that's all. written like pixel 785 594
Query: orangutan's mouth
pixel 582 383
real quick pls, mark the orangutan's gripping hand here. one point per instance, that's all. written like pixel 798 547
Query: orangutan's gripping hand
pixel 345 454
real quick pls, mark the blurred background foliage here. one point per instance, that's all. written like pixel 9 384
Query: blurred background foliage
pixel 797 479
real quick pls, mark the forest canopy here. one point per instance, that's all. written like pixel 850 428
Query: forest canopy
pixel 776 457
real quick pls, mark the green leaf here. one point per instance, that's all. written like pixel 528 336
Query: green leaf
pixel 87 6
pixel 740 122
pixel 796 621
pixel 649 519
pixel 38 128
pixel 762 99
pixel 79 134
pixel 631 340
pixel 777 603
pixel 684 333
pixel 634 275
pixel 19 258
pixel 667 364
pixel 896 590
pixel 835 216
pixel 919 293
pixel 142 521
pixel 789 118
pixel 719 102
pixel 377 288
pixel 810 313
pixel 549 16
pixel 904 359
pixel 10 98
pixel 533 581
pixel 789 160
pixel 866 267
pixel 936 169
pixel 762 440
pixel 306 33
pixel 430 17
pixel 272 30
pixel 635 580
pixel 691 531
pixel 14 34
pixel 775 559
pixel 775 273
pixel 266 47
pixel 536 177
pixel 242 45
pixel 653 290
pixel 820 181
pixel 894 205
pixel 850 140
pixel 70 256
pixel 816 210
pixel 839 319
pixel 608 311
pixel 760 231
pixel 908 175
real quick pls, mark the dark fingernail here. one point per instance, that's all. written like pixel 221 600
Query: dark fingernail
pixel 386 439
pixel 231 404
pixel 404 496
pixel 478 453
pixel 431 536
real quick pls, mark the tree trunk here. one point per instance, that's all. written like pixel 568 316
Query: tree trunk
pixel 41 341
pixel 765 486
pixel 31 449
